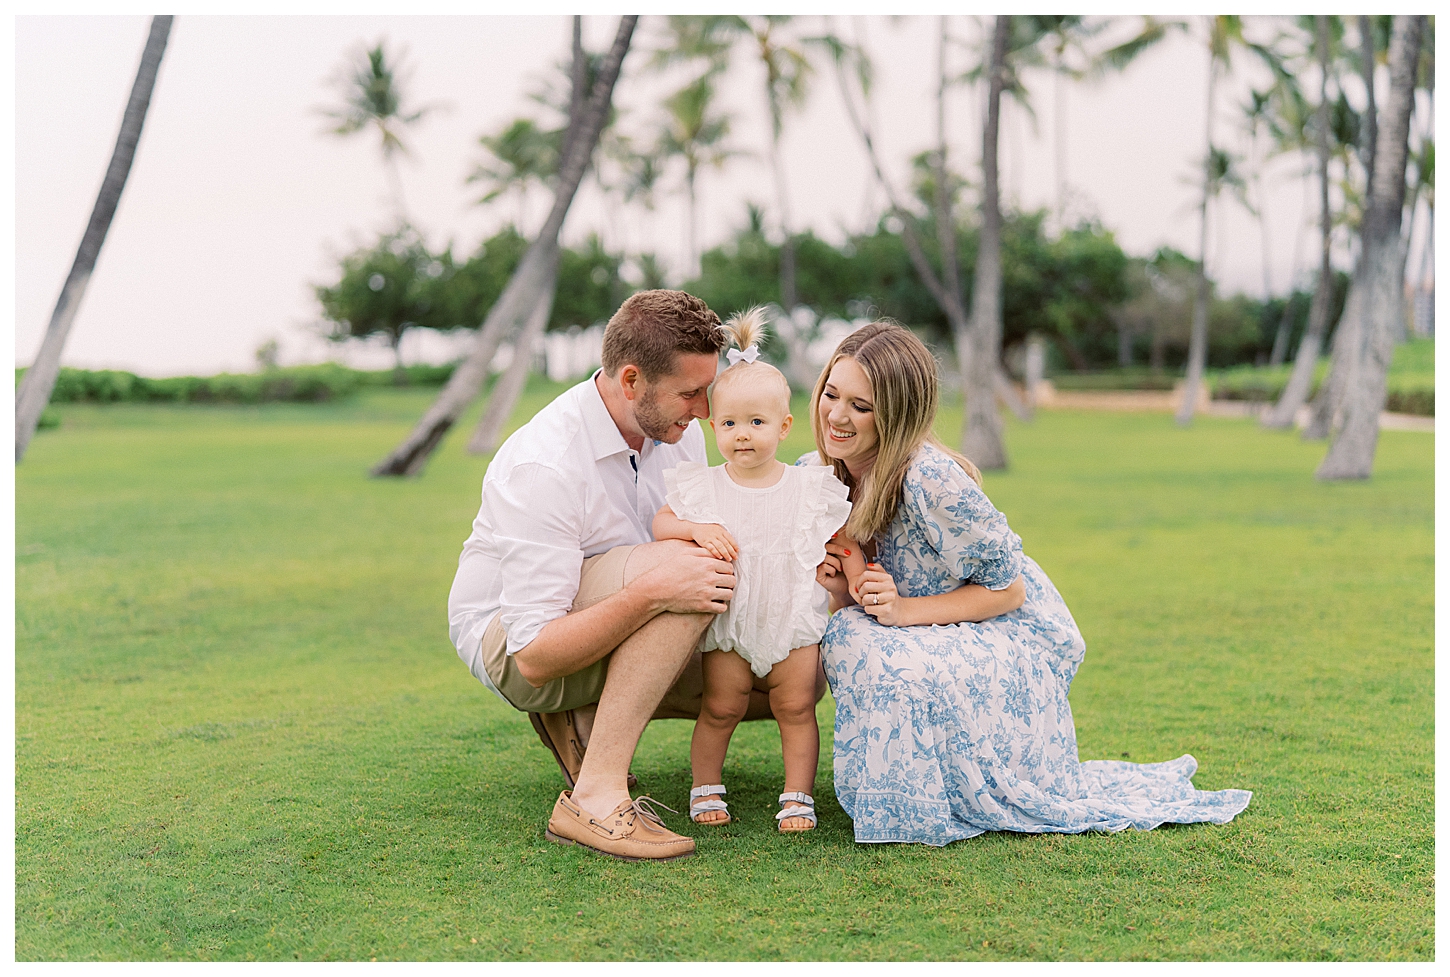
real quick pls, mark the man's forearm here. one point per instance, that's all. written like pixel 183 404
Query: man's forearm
pixel 580 638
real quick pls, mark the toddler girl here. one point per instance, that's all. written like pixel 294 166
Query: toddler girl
pixel 773 521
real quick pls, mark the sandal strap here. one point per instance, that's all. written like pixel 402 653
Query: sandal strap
pixel 800 797
pixel 700 807
pixel 705 789
pixel 797 812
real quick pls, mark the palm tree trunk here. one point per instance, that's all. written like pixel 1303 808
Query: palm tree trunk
pixel 1351 454
pixel 395 184
pixel 946 228
pixel 526 285
pixel 1059 140
pixel 951 304
pixel 506 390
pixel 788 300
pixel 400 373
pixel 38 382
pixel 1370 119
pixel 1301 379
pixel 982 433
pixel 1286 321
pixel 693 258
pixel 1328 403
pixel 1198 336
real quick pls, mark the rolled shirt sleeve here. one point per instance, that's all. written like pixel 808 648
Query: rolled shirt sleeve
pixel 543 563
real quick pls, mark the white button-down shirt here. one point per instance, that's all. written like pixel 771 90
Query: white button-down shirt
pixel 563 487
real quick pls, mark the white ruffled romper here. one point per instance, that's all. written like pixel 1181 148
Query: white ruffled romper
pixel 782 532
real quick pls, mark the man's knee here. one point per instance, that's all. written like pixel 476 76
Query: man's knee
pixel 646 556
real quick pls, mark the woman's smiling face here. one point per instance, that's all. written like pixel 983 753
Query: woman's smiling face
pixel 846 416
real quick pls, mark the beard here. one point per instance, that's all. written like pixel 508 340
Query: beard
pixel 653 422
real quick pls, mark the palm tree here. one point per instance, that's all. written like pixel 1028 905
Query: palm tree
pixel 640 173
pixel 851 58
pixel 530 280
pixel 1059 44
pixel 38 382
pixel 1224 33
pixel 507 389
pixel 787 74
pixel 1301 379
pixel 1286 119
pixel 695 133
pixel 982 434
pixel 372 98
pixel 523 155
pixel 1351 455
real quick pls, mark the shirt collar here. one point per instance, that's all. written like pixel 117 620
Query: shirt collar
pixel 603 433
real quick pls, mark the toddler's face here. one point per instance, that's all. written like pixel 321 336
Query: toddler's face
pixel 749 425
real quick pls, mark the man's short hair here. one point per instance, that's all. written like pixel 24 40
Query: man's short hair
pixel 651 327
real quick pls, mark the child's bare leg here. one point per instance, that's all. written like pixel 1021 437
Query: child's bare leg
pixel 792 685
pixel 723 704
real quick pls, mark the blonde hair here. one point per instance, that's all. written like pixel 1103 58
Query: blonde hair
pixel 747 329
pixel 903 380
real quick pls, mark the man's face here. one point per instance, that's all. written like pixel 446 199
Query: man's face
pixel 664 408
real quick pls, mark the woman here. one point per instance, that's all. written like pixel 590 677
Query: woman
pixel 951 658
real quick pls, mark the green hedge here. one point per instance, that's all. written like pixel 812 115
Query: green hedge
pixel 1408 393
pixel 1132 378
pixel 324 381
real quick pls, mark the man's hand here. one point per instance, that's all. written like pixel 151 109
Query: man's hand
pixel 716 539
pixel 691 581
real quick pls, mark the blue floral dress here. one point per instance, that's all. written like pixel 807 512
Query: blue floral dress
pixel 944 732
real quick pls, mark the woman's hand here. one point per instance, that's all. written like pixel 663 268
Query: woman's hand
pixel 831 574
pixel 716 540
pixel 876 593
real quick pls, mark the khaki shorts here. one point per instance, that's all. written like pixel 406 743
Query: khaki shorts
pixel 600 577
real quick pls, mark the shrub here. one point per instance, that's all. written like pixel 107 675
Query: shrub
pixel 1416 400
pixel 326 381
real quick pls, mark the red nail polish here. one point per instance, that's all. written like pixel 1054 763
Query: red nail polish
pixel 848 552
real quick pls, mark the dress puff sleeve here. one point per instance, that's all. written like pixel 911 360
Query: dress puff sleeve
pixel 959 522
pixel 689 494
pixel 826 510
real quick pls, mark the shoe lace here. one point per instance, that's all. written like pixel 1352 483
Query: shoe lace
pixel 645 805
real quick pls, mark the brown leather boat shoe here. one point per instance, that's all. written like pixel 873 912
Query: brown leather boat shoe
pixel 633 831
pixel 560 735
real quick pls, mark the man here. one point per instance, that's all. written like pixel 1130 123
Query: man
pixel 564 606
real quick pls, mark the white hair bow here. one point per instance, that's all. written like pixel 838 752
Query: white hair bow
pixel 749 354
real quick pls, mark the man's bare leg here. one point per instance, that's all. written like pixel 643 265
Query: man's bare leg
pixel 641 670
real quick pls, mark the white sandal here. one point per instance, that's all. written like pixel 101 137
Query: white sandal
pixel 698 807
pixel 809 811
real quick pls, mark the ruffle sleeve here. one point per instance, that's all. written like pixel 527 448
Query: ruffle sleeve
pixel 808 459
pixel 825 511
pixel 959 522
pixel 689 494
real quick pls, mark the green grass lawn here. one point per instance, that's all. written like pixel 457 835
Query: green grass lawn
pixel 241 731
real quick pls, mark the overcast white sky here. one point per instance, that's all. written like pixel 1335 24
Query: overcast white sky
pixel 237 202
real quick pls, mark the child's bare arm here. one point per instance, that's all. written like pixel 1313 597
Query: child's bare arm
pixel 715 539
pixel 853 563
